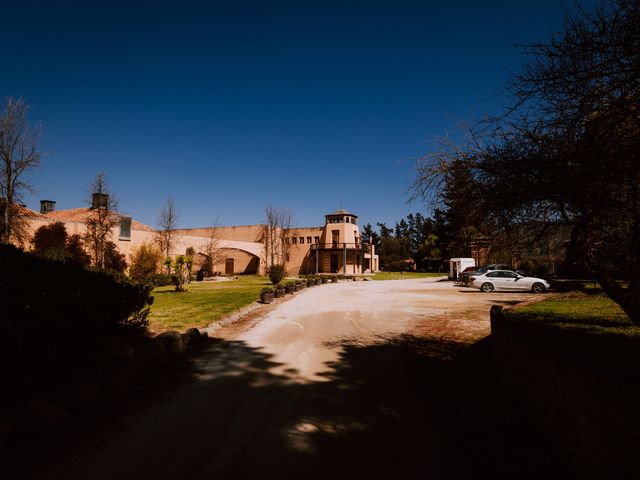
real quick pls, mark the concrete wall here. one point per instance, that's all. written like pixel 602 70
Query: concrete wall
pixel 583 388
pixel 240 233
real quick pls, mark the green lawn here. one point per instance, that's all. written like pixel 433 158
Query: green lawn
pixel 594 311
pixel 404 275
pixel 203 303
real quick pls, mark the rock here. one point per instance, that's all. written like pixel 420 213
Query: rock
pixel 137 371
pixel 6 433
pixel 191 336
pixel 152 352
pixel 116 387
pixel 82 396
pixel 116 348
pixel 194 332
pixel 41 414
pixel 172 342
pixel 496 312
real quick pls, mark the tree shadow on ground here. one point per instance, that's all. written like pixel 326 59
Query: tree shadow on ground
pixel 404 407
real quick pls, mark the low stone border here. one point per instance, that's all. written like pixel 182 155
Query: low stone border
pixel 53 411
pixel 231 318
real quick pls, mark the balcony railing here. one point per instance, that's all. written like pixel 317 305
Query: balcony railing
pixel 342 246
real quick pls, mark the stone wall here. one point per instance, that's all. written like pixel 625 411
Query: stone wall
pixel 583 387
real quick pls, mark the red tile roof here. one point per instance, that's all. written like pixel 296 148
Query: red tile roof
pixel 80 215
pixel 27 212
pixel 22 211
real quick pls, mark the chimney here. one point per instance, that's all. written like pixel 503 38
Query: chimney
pixel 47 206
pixel 99 200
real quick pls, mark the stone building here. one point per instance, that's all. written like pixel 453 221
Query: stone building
pixel 335 247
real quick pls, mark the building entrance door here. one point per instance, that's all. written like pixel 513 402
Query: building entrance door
pixel 228 266
pixel 334 263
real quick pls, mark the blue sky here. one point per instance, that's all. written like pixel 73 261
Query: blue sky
pixel 230 106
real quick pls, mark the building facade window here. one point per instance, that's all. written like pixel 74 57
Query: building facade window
pixel 335 238
pixel 308 239
pixel 125 228
pixel 294 240
pixel 301 240
pixel 316 240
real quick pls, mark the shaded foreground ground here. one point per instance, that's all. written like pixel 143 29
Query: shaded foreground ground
pixel 403 405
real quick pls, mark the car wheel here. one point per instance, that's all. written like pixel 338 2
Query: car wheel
pixel 538 288
pixel 486 287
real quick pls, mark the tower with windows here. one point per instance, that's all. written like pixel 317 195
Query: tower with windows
pixel 341 249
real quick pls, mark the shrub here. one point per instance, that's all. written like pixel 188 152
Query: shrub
pixel 76 251
pixel 159 280
pixel 145 261
pixel 51 241
pixel 54 314
pixel 267 291
pixel 277 273
pixel 114 261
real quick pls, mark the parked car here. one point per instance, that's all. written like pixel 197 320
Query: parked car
pixel 464 276
pixel 507 280
pixel 467 270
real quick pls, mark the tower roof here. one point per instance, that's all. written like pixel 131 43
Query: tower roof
pixel 341 211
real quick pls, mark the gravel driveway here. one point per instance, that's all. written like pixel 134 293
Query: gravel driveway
pixel 302 333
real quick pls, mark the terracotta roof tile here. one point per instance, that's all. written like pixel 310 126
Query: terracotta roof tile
pixel 27 212
pixel 23 211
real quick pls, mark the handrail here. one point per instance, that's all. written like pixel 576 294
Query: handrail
pixel 341 245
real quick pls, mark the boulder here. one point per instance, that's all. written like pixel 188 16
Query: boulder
pixel 82 396
pixel 172 342
pixel 191 336
pixel 115 348
pixel 116 387
pixel 152 352
pixel 41 414
pixel 137 371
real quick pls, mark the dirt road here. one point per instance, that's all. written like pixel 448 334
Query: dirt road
pixel 304 334
pixel 353 379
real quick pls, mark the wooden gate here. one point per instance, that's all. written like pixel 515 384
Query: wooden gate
pixel 228 266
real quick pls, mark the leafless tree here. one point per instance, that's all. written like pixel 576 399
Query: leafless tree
pixel 167 222
pixel 102 218
pixel 274 233
pixel 18 154
pixel 213 250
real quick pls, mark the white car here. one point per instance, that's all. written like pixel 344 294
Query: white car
pixel 508 281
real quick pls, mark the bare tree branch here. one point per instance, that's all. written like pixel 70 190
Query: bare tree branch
pixel 18 154
pixel 102 218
